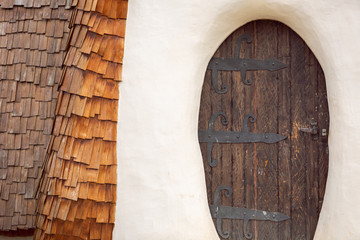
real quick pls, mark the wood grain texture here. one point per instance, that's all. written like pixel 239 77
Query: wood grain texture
pixel 288 176
pixel 77 192
pixel 33 36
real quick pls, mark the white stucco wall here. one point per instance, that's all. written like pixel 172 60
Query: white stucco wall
pixel 161 184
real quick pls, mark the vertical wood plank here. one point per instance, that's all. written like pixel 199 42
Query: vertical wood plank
pixel 237 115
pixel 249 154
pixel 284 125
pixel 323 123
pixel 266 121
pixel 312 149
pixel 224 157
pixel 298 150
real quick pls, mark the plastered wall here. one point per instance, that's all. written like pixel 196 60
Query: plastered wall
pixel 161 184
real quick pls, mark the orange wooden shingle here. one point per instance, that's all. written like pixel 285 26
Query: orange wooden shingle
pixel 80 177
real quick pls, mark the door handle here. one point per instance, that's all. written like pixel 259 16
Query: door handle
pixel 312 130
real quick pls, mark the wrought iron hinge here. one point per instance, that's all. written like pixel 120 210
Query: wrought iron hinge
pixel 219 212
pixel 211 136
pixel 240 64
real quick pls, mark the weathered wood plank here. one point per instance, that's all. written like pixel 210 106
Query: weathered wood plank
pixel 299 157
pixel 284 125
pixel 266 114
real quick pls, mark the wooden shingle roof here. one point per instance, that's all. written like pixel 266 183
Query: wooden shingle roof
pixel 60 66
pixel 33 37
pixel 78 188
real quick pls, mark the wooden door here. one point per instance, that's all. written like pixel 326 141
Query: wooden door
pixel 286 177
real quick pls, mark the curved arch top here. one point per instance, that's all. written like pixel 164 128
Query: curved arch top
pixel 160 174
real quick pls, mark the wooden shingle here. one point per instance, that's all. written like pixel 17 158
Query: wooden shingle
pixel 26 92
pixel 77 193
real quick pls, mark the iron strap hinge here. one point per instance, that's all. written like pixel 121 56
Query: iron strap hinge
pixel 211 136
pixel 219 212
pixel 240 64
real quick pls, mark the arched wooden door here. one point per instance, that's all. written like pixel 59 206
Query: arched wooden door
pixel 264 136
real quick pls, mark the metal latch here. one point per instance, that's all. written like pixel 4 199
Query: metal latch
pixel 313 130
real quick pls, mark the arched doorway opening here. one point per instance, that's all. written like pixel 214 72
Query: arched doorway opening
pixel 263 128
